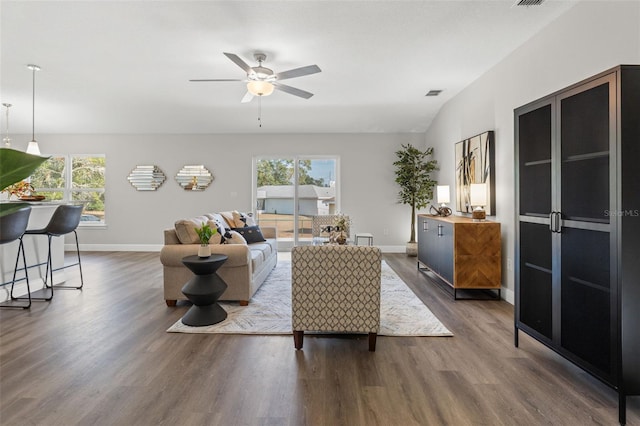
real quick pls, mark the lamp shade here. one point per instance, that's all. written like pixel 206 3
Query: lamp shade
pixel 33 148
pixel 442 192
pixel 478 192
pixel 260 88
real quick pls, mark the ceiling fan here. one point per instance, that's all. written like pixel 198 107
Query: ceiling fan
pixel 261 81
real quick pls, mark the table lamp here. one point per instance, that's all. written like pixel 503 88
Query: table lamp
pixel 478 195
pixel 442 193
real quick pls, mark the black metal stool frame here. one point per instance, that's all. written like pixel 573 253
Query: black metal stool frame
pixel 64 221
pixel 21 215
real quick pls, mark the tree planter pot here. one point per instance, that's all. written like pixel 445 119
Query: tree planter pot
pixel 412 249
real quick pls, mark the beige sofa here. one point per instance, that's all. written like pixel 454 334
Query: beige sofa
pixel 244 271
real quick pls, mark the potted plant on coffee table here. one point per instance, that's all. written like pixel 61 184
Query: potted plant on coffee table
pixel 413 174
pixel 205 232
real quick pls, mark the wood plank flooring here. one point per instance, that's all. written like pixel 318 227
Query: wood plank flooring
pixel 101 356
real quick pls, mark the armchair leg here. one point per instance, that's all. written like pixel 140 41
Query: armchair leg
pixel 244 303
pixel 171 303
pixel 372 342
pixel 298 336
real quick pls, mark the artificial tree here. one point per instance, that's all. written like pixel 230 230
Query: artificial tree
pixel 413 174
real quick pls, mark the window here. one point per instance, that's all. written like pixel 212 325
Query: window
pixel 74 178
pixel 289 191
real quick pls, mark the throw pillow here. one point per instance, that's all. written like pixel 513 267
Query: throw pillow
pixel 252 234
pixel 228 217
pixel 216 238
pixel 221 224
pixel 234 238
pixel 242 219
pixel 186 229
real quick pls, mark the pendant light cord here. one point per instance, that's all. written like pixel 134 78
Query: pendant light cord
pixel 33 68
pixel 33 105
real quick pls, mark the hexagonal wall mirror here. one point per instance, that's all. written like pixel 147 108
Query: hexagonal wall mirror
pixel 194 178
pixel 146 178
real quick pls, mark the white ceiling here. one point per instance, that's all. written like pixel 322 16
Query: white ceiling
pixel 123 67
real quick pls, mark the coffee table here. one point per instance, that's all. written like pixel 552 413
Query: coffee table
pixel 203 290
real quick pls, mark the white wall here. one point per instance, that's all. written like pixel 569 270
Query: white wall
pixel 591 37
pixel 136 219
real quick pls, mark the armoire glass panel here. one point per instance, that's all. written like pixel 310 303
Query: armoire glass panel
pixel 586 296
pixel 534 130
pixel 535 278
pixel 585 139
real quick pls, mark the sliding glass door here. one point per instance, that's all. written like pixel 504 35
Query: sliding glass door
pixel 289 191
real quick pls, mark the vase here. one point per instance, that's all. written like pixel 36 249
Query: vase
pixel 341 238
pixel 204 250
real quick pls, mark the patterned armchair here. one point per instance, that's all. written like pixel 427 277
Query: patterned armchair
pixel 337 289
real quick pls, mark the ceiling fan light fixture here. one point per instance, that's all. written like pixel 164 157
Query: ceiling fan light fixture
pixel 260 88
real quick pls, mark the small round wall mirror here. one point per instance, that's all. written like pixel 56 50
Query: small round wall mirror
pixel 194 178
pixel 146 178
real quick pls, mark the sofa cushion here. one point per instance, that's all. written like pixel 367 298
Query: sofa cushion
pixel 186 229
pixel 251 234
pixel 264 248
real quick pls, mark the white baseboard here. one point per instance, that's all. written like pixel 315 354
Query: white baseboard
pixel 114 247
pixel 158 247
pixel 508 295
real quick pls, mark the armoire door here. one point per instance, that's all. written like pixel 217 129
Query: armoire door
pixel 535 305
pixel 586 127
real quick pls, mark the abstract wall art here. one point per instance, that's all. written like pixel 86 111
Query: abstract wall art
pixel 474 164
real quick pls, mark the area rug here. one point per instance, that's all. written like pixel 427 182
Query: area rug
pixel 269 311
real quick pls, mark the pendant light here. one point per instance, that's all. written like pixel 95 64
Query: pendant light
pixel 7 139
pixel 33 147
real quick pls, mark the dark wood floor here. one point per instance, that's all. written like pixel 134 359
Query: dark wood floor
pixel 101 356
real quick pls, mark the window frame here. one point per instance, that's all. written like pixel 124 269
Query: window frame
pixel 68 189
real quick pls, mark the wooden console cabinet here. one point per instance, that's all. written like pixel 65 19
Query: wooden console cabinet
pixel 463 253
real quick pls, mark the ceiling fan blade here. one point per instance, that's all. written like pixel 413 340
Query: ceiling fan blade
pixel 293 91
pixel 217 79
pixel 247 98
pixel 298 72
pixel 239 62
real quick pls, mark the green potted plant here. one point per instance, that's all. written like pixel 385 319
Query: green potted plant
pixel 205 232
pixel 413 174
pixel 15 166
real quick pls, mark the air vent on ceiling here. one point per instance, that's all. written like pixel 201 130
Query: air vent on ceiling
pixel 433 93
pixel 529 2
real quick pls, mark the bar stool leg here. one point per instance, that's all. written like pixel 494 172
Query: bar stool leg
pixel 50 268
pixel 26 277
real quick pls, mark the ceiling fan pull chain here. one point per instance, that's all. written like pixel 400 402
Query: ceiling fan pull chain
pixel 260 111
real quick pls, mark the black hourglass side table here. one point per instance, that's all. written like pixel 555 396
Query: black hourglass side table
pixel 203 290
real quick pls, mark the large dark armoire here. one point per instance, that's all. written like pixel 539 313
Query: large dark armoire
pixel 578 226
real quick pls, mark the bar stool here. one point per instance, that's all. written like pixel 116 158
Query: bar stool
pixel 12 228
pixel 63 221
